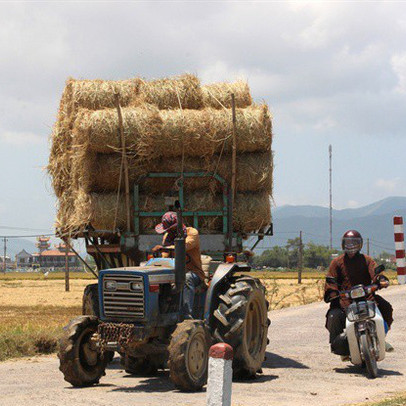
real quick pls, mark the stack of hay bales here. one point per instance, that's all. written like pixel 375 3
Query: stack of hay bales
pixel 163 120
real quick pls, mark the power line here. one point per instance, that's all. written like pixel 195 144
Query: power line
pixel 379 242
pixel 27 236
pixel 24 229
pixel 383 246
pixel 330 152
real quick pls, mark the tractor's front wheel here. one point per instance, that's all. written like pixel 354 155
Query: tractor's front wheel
pixel 80 361
pixel 188 355
pixel 242 321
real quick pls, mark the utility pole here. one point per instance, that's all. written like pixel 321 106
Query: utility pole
pixel 368 246
pixel 299 273
pixel 330 153
pixel 66 267
pixel 234 150
pixel 124 162
pixel 5 253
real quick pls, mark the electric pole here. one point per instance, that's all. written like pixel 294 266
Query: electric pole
pixel 299 273
pixel 5 253
pixel 367 246
pixel 66 267
pixel 330 153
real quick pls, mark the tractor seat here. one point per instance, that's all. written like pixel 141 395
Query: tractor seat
pixel 206 261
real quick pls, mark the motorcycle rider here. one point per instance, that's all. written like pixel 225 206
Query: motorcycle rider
pixel 347 270
pixel 194 270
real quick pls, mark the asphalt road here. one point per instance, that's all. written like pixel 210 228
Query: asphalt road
pixel 299 370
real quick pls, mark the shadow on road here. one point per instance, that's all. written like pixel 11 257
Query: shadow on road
pixel 161 383
pixel 277 361
pixel 99 385
pixel 257 379
pixel 356 370
pixel 115 364
pixel 158 383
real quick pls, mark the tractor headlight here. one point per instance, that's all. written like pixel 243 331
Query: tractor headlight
pixel 110 285
pixel 136 285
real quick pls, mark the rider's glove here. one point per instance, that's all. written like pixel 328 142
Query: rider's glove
pixel 332 296
pixel 383 281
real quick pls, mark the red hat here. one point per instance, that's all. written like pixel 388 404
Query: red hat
pixel 169 222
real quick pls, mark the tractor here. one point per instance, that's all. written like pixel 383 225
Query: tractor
pixel 135 308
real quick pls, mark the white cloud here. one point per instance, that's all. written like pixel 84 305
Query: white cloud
pixel 399 67
pixel 325 124
pixel 388 185
pixel 352 204
pixel 24 139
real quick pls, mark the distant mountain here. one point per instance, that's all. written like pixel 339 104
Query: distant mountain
pixel 374 221
pixel 15 245
pixel 390 205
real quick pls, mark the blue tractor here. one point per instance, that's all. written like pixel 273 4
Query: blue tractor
pixel 135 308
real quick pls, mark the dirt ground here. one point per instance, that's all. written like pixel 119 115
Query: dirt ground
pixel 299 370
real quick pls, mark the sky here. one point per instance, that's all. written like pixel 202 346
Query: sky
pixel 331 72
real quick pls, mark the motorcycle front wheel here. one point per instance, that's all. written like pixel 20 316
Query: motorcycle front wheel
pixel 368 352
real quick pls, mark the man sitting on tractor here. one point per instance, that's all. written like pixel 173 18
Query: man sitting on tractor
pixel 194 271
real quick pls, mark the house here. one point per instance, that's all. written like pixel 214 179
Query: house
pixel 53 258
pixel 24 259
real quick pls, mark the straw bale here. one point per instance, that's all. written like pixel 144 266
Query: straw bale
pixel 166 133
pixel 218 95
pixel 252 211
pixel 207 132
pixel 173 93
pixel 101 172
pixel 99 130
pixel 99 94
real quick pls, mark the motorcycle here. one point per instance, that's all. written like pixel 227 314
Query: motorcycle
pixel 365 328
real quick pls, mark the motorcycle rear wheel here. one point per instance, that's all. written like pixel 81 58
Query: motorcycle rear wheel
pixel 368 352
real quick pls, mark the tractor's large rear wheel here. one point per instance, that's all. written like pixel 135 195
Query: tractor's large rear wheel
pixel 242 321
pixel 80 361
pixel 90 301
pixel 188 355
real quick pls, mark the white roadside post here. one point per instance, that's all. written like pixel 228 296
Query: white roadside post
pixel 400 249
pixel 220 375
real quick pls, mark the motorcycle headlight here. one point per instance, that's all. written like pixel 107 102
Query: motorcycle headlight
pixel 136 286
pixel 356 293
pixel 110 285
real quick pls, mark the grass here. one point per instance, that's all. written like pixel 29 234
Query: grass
pixel 33 312
pixel 398 400
pixel 32 330
pixel 9 276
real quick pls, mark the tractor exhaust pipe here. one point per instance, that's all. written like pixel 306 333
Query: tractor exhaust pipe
pixel 180 251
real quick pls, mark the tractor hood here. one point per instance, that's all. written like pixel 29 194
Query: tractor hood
pixel 130 294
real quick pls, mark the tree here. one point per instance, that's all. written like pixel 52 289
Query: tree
pixel 288 256
pixel 317 255
pixel 292 247
pixel 273 258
